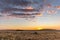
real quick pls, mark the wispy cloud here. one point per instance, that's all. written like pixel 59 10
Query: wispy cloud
pixel 51 11
pixel 57 7
pixel 48 5
pixel 25 8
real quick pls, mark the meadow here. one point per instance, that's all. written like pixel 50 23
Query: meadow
pixel 29 35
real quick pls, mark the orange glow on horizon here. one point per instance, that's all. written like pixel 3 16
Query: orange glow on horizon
pixel 29 27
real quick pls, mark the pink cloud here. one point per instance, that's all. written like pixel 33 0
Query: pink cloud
pixel 51 12
pixel 58 7
pixel 49 5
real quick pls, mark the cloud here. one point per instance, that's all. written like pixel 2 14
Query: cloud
pixel 0 15
pixel 21 8
pixel 49 5
pixel 51 11
pixel 28 12
pixel 23 15
pixel 20 2
pixel 15 9
pixel 26 8
pixel 17 2
pixel 29 7
pixel 58 7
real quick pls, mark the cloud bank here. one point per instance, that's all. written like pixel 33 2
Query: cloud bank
pixel 25 8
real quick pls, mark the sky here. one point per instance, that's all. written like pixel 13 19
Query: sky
pixel 29 14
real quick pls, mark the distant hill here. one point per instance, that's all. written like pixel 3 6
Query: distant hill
pixel 39 30
pixel 48 30
pixel 31 30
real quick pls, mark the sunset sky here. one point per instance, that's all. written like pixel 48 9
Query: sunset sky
pixel 29 14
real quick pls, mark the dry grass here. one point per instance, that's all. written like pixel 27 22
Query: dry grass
pixel 29 35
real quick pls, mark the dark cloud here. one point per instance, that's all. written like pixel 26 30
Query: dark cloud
pixel 19 2
pixel 9 7
pixel 12 3
pixel 21 10
pixel 0 15
pixel 25 14
pixel 20 15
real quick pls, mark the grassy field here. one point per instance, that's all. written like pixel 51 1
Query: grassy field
pixel 29 35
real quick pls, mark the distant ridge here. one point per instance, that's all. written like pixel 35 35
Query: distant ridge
pixel 30 30
pixel 48 30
